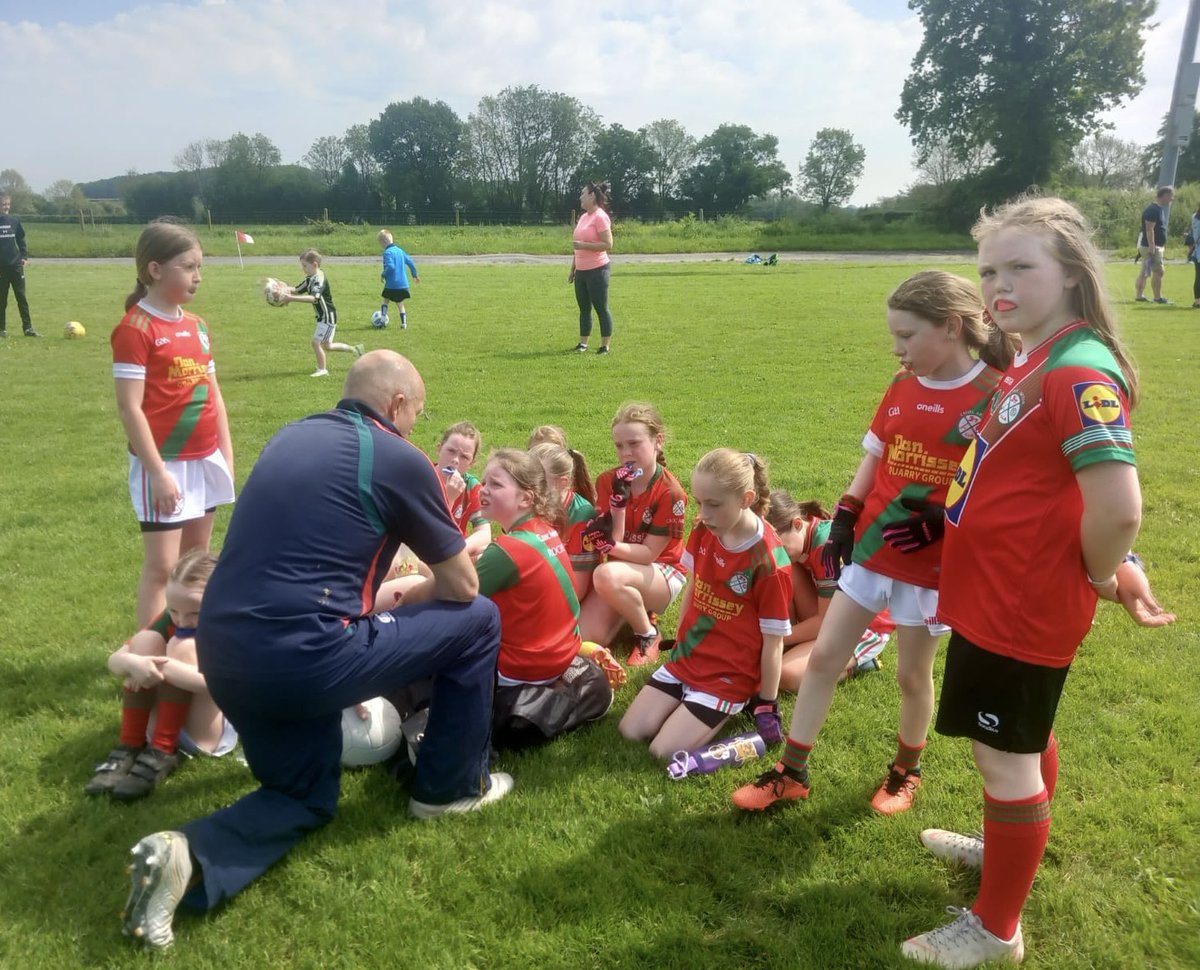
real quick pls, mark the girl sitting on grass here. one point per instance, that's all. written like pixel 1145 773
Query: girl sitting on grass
pixel 165 703
pixel 734 617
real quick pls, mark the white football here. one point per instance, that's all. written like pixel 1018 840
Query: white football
pixel 371 741
pixel 379 320
pixel 74 330
pixel 275 291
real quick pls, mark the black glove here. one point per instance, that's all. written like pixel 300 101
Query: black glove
pixel 925 527
pixel 622 485
pixel 597 533
pixel 839 547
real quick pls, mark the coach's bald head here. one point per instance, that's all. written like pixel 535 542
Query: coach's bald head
pixel 389 384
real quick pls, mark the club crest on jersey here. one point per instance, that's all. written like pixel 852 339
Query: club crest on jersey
pixel 648 517
pixel 204 340
pixel 1010 408
pixel 968 424
pixel 740 582
pixel 1099 404
pixel 677 508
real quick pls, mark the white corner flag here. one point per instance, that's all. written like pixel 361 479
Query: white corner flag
pixel 240 237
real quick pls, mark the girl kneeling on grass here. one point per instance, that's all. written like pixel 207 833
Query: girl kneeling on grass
pixel 1044 510
pixel 734 617
pixel 527 574
pixel 916 440
pixel 639 535
pixel 163 684
pixel 803 528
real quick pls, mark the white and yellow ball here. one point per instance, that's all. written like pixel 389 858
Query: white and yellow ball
pixel 73 330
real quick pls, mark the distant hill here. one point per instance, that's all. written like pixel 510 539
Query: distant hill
pixel 110 188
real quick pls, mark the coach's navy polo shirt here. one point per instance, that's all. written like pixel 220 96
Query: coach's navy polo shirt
pixel 313 534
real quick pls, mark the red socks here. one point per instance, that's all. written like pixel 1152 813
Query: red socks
pixel 908 757
pixel 173 706
pixel 795 756
pixel 136 706
pixel 1014 839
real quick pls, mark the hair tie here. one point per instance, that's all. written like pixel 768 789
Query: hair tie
pixel 752 458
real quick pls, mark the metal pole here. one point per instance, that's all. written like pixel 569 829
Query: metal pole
pixel 1182 116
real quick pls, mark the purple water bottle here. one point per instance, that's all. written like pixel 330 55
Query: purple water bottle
pixel 723 753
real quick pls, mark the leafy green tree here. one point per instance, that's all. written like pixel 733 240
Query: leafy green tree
pixel 528 146
pixel 327 157
pixel 13 184
pixel 1188 168
pixel 626 160
pixel 1105 161
pixel 1029 76
pixel 419 145
pixel 832 168
pixel 674 153
pixel 733 166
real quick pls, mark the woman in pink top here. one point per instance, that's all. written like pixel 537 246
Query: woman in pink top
pixel 589 267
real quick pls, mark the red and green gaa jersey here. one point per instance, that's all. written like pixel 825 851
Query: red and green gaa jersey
pixel 658 511
pixel 174 360
pixel 737 597
pixel 466 510
pixel 579 512
pixel 163 625
pixel 919 434
pixel 527 574
pixel 1013 575
pixel 818 535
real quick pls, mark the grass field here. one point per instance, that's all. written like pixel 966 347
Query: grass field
pixel 688 235
pixel 596 860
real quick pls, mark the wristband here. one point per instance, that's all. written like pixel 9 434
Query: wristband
pixel 850 502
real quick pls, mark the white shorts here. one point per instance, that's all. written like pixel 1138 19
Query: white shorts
pixel 204 483
pixel 227 742
pixel 690 695
pixel 910 605
pixel 676 579
pixel 325 329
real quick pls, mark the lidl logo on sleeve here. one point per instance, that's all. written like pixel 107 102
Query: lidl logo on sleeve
pixel 1099 404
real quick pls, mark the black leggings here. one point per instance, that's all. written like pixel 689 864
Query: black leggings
pixel 591 290
pixel 1196 282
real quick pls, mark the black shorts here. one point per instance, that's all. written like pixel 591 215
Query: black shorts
pixel 169 526
pixel 396 296
pixel 705 715
pixel 1004 703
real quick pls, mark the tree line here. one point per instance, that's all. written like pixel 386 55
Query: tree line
pixel 1000 99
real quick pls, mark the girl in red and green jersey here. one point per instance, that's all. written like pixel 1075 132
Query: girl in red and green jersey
pixel 1043 510
pixel 526 572
pixel 734 617
pixel 458 447
pixel 567 474
pixel 639 534
pixel 889 523
pixel 803 528
pixel 170 406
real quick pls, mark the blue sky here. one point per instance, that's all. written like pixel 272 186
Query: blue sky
pixel 106 86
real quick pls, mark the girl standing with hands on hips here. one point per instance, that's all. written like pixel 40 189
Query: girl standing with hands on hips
pixel 888 524
pixel 592 240
pixel 733 621
pixel 180 452
pixel 1039 518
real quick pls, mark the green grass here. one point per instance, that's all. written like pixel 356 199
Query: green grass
pixel 596 860
pixel 687 235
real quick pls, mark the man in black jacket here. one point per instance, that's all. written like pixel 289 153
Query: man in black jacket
pixel 13 257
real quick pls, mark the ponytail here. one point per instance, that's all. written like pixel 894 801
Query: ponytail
pixel 138 294
pixel 581 478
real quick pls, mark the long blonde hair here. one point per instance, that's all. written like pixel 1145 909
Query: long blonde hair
pixel 530 477
pixel 936 296
pixel 193 568
pixel 559 461
pixel 737 472
pixel 1069 237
